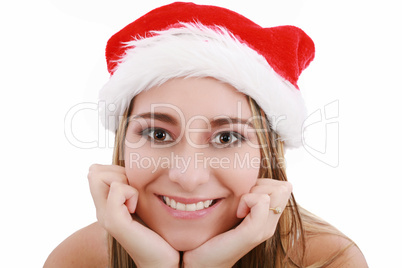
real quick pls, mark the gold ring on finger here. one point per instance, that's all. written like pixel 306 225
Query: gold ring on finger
pixel 277 210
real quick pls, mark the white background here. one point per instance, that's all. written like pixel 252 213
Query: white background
pixel 51 56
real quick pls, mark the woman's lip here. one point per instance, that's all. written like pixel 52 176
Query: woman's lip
pixel 187 200
pixel 180 214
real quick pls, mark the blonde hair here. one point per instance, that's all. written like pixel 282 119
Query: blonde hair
pixel 287 247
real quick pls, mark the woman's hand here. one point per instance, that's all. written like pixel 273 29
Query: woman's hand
pixel 115 201
pixel 258 225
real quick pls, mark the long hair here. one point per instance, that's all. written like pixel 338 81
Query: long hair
pixel 287 247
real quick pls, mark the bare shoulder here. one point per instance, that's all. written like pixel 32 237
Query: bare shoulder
pixel 325 246
pixel 85 248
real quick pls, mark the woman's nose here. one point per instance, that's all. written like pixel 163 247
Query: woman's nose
pixel 190 171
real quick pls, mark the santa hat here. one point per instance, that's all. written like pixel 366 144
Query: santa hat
pixel 189 40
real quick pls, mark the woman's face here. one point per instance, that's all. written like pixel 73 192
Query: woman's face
pixel 191 152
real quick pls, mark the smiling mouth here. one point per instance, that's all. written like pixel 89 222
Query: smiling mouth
pixel 170 202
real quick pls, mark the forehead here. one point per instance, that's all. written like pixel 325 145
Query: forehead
pixel 191 97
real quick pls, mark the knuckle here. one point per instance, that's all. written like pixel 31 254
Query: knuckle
pixel 286 187
pixel 93 167
pixel 121 178
pixel 134 190
pixel 266 198
pixel 115 186
pixel 290 186
pixel 261 181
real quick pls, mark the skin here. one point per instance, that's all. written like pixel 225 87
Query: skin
pixel 195 179
pixel 192 126
pixel 238 221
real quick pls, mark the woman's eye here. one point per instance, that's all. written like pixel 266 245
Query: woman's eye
pixel 227 138
pixel 158 135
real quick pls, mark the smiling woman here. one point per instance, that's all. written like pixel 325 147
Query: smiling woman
pixel 196 184
pixel 206 102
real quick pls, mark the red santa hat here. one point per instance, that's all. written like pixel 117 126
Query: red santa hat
pixel 189 40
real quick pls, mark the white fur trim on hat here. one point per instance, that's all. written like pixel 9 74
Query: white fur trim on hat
pixel 198 51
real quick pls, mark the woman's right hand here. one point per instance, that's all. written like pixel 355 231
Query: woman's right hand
pixel 115 201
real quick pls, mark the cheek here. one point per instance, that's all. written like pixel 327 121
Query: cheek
pixel 240 181
pixel 139 167
pixel 242 172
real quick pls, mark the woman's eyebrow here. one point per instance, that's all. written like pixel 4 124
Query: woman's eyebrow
pixel 214 123
pixel 157 116
pixel 230 120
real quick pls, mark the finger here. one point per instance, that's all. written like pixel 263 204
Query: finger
pixel 270 183
pixel 108 173
pixel 99 186
pixel 100 178
pixel 121 202
pixel 113 168
pixel 279 191
pixel 107 177
pixel 131 202
pixel 240 240
pixel 253 204
pixel 121 194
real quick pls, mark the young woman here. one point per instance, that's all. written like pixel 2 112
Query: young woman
pixel 203 103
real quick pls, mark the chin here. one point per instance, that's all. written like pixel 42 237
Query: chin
pixel 186 242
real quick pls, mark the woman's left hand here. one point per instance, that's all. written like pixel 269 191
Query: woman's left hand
pixel 258 225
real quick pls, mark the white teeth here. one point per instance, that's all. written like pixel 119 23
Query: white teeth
pixel 200 205
pixel 191 207
pixel 207 203
pixel 186 207
pixel 180 206
pixel 173 204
